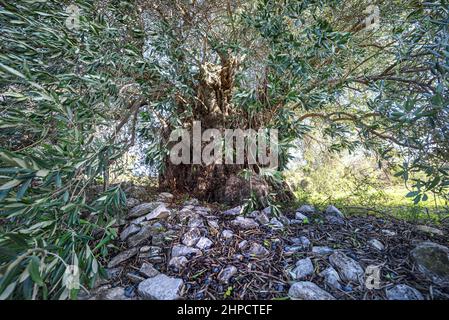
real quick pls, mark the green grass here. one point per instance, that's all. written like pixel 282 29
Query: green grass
pixel 390 201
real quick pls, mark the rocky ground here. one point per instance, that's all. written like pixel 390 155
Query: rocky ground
pixel 172 250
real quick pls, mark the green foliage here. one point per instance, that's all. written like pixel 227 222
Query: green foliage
pixel 62 91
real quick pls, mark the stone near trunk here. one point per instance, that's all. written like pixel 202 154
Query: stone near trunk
pixel 267 211
pixel 213 224
pixel 303 269
pixel 122 256
pixel 302 242
pixel 262 219
pixel 180 250
pixel 403 292
pixel 244 223
pixel 432 260
pixel 161 287
pixel 185 214
pixel 178 262
pixel 165 196
pixel 430 230
pixel 131 203
pixel 191 237
pixel 227 234
pixel 233 212
pixel 276 224
pixel 143 209
pixel 301 217
pixel 191 202
pixel 134 277
pixel 332 211
pixel 204 243
pixel 141 236
pixel 334 220
pixel 306 290
pixel 257 250
pixel 129 231
pixel 117 293
pixel 195 222
pixel 154 254
pixel 243 244
pixel 226 274
pixel 148 270
pixel 253 214
pixel 114 272
pixel 161 212
pixel 322 250
pixel 348 268
pixel 388 233
pixel 331 278
pixel 376 244
pixel 306 209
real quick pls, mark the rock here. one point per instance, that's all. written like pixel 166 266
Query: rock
pixel 204 243
pixel 301 217
pixel 303 269
pixel 196 222
pixel 141 236
pixel 262 219
pixel 306 209
pixel 334 220
pixel 388 233
pixel 161 287
pixel 144 249
pixel 143 209
pixel 306 290
pixel 154 254
pixel 185 214
pixel 302 242
pixel 403 292
pixel 348 268
pixel 148 270
pixel 233 212
pixel 161 212
pixel 134 277
pixel 114 272
pixel 122 256
pixel 244 223
pixel 376 244
pixel 191 237
pixel 165 196
pixel 276 224
pixel 332 211
pixel 267 211
pixel 138 192
pixel 191 202
pixel 331 278
pixel 131 203
pixel 129 231
pixel 213 224
pixel 180 250
pixel 285 221
pixel 432 260
pixel 227 234
pixel 430 230
pixel 243 244
pixel 253 214
pixel 257 250
pixel 178 262
pixel 322 250
pixel 226 274
pixel 117 293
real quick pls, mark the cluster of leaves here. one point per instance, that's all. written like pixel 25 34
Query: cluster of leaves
pixel 65 78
